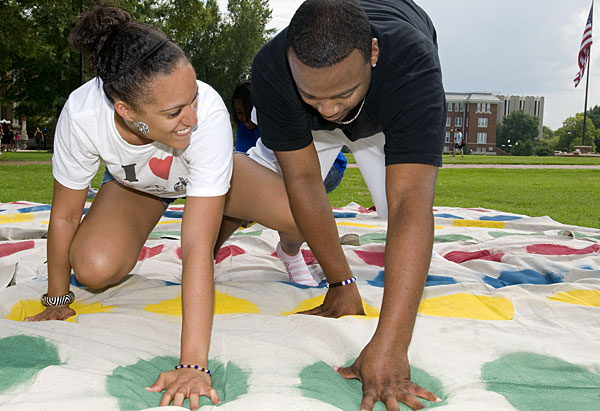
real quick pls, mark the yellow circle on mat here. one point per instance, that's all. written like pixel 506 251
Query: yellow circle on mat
pixel 224 304
pixel 578 297
pixel 28 308
pixel 479 223
pixel 462 305
pixel 314 302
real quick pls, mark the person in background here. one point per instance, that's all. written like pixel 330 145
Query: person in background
pixel 39 137
pixel 2 142
pixel 459 143
pixel 248 134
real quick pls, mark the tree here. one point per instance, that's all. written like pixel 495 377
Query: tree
pixel 547 133
pixel 39 70
pixel 594 115
pixel 38 67
pixel 523 148
pixel 516 127
pixel 221 46
pixel 543 147
pixel 569 135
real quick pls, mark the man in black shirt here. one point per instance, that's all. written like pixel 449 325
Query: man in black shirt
pixel 367 77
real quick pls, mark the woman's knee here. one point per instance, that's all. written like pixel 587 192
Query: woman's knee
pixel 97 268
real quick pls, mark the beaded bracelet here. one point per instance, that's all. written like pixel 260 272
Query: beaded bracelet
pixel 341 283
pixel 197 367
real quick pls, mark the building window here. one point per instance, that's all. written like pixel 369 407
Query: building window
pixel 448 121
pixel 481 138
pixel 447 136
pixel 488 108
pixel 458 122
pixel 479 107
pixel 446 149
pixel 462 107
pixel 482 122
pixel 449 106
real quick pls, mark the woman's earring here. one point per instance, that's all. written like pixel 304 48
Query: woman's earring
pixel 143 127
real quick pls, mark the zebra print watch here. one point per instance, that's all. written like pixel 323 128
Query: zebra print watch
pixel 60 300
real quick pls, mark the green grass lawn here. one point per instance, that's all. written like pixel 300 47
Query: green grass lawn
pixel 31 182
pixel 478 159
pixel 42 156
pixel 534 160
pixel 568 196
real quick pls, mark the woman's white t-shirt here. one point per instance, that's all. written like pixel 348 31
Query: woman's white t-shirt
pixel 86 132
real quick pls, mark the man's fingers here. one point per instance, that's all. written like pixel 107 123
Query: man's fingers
pixel 423 393
pixel 409 399
pixel 369 397
pixel 346 372
pixel 312 311
pixel 389 399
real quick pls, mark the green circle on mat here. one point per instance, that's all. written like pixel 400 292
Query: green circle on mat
pixel 532 381
pixel 127 384
pixel 22 356
pixel 323 383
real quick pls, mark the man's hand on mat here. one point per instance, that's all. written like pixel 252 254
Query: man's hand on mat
pixel 385 376
pixel 53 313
pixel 184 383
pixel 338 302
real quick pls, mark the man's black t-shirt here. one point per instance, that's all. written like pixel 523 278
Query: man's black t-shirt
pixel 405 100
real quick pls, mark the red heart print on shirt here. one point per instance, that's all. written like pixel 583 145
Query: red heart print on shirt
pixel 161 168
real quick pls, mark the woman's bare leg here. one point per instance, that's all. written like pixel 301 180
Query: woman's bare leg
pixel 258 194
pixel 108 242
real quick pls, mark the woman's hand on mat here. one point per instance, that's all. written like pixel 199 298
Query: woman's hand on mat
pixel 385 377
pixel 339 301
pixel 184 383
pixel 61 312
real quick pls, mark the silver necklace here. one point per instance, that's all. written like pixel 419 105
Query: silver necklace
pixel 353 118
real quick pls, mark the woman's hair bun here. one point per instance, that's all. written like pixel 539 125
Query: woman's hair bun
pixel 94 27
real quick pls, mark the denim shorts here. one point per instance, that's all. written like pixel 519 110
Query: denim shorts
pixel 109 177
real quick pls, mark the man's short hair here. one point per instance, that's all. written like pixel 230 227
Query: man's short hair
pixel 324 32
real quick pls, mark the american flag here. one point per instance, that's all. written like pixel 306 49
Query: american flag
pixel 584 48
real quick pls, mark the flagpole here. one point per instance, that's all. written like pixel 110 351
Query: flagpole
pixel 587 83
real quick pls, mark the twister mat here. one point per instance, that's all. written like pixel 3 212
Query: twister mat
pixel 509 319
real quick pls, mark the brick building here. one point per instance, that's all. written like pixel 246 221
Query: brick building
pixel 9 119
pixel 476 115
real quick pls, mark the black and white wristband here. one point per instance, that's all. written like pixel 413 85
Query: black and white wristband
pixel 341 283
pixel 60 300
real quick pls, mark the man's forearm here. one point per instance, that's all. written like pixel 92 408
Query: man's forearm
pixel 407 259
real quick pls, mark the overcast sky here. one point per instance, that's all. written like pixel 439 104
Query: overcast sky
pixel 520 47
